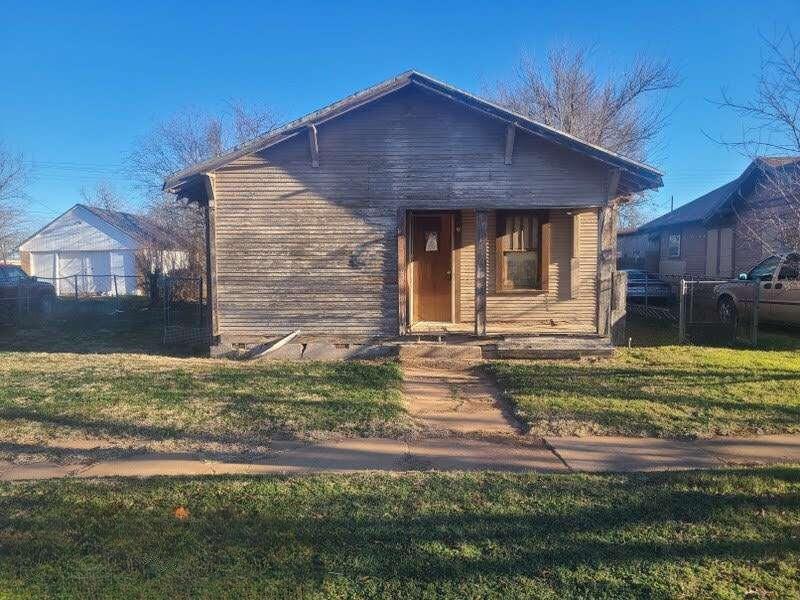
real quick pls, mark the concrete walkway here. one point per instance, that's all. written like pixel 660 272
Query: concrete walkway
pixel 456 400
pixel 621 454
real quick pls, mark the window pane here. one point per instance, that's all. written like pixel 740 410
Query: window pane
pixel 521 269
pixel 765 270
pixel 674 245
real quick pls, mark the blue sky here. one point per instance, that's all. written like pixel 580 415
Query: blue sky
pixel 82 80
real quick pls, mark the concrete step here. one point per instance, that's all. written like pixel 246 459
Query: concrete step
pixel 555 348
pixel 421 350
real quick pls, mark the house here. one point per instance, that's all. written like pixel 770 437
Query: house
pixel 711 237
pixel 91 250
pixel 411 206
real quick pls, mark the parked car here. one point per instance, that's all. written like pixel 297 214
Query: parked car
pixel 778 280
pixel 41 296
pixel 643 285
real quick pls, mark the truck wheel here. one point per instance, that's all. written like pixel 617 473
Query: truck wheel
pixel 727 310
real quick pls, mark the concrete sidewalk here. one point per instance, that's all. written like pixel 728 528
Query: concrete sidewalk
pixel 502 453
pixel 343 456
pixel 624 454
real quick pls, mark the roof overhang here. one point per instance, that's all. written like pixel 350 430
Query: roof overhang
pixel 635 176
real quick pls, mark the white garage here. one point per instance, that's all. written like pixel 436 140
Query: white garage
pixel 94 251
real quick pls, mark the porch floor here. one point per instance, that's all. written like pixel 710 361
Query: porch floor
pixel 502 329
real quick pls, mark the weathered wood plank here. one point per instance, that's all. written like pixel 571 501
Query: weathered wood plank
pixel 481 258
pixel 511 132
pixel 211 249
pixel 313 144
pixel 402 272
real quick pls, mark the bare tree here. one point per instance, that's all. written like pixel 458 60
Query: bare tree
pixel 104 196
pixel 188 137
pixel 771 125
pixel 13 178
pixel 622 112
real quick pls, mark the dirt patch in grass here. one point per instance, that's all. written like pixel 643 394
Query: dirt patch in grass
pixel 670 391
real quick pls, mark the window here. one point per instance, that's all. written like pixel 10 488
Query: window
pixel 519 250
pixel 674 245
pixel 764 270
pixel 790 270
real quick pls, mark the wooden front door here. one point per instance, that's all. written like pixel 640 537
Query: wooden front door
pixel 431 249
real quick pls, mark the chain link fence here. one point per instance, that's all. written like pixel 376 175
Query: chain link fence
pixel 703 313
pixel 709 315
pixel 104 312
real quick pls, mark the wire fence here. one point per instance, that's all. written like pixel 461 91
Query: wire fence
pixel 703 312
pixel 111 309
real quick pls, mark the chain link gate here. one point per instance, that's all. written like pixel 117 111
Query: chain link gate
pixel 704 317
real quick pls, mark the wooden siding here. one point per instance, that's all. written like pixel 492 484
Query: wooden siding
pixel 546 311
pixel 692 261
pixel 314 248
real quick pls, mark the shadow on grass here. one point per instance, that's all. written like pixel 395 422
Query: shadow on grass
pixel 100 326
pixel 654 399
pixel 216 406
pixel 395 537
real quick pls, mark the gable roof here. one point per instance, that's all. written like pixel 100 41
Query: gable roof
pixel 637 176
pixel 140 229
pixel 715 201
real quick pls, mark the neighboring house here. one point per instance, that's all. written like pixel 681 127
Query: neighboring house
pixel 97 249
pixel 708 237
pixel 411 206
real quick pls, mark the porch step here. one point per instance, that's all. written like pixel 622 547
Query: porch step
pixel 555 348
pixel 455 352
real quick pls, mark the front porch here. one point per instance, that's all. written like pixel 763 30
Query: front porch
pixel 495 272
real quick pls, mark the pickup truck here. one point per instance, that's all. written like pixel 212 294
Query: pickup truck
pixel 40 296
pixel 778 280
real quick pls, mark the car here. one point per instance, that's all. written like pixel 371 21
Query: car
pixel 647 286
pixel 778 281
pixel 39 295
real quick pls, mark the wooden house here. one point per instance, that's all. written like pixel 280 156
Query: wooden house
pixel 713 237
pixel 411 206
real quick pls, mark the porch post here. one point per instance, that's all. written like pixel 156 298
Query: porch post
pixel 481 259
pixel 607 255
pixel 211 257
pixel 402 277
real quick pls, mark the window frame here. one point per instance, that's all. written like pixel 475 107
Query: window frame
pixel 670 236
pixel 541 251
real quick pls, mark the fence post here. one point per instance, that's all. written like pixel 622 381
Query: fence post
pixel 19 300
pixel 200 299
pixel 76 287
pixel 165 299
pixel 682 312
pixel 646 292
pixel 116 292
pixel 756 303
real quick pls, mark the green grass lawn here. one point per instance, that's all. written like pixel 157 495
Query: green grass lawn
pixel 197 401
pixel 668 391
pixel 725 534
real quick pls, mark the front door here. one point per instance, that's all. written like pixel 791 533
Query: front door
pixel 431 252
